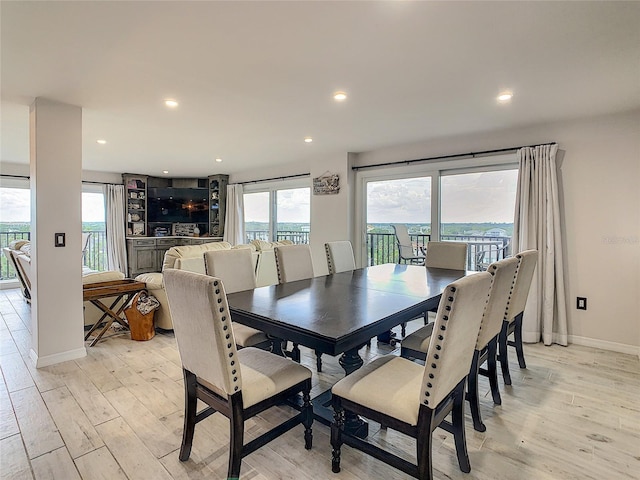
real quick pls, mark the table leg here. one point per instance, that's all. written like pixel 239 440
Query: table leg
pixel 113 316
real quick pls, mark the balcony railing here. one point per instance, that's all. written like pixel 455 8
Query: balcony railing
pixel 95 257
pixel 382 248
pixel 295 237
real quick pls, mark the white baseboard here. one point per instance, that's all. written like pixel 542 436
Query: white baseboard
pixel 605 345
pixel 47 360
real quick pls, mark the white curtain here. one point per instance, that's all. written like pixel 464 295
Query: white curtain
pixel 234 219
pixel 116 241
pixel 537 225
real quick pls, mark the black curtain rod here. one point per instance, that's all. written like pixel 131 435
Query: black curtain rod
pixel 445 157
pixel 276 178
pixel 27 177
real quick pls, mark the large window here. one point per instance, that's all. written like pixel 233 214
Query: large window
pixel 278 214
pixel 15 222
pixel 478 208
pixel 93 221
pixel 470 201
pixel 403 200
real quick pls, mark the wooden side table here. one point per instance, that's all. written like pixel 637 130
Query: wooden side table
pixel 120 289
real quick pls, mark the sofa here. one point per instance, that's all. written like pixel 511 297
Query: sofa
pixel 18 253
pixel 191 258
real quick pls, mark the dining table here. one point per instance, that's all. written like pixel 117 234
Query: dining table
pixel 338 314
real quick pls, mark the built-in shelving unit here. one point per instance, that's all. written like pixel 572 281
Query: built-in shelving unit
pixel 136 206
pixel 217 204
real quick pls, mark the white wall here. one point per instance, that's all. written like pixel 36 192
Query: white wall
pixel 331 215
pixel 600 183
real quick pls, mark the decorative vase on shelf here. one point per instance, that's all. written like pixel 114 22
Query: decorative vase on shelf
pixel 196 232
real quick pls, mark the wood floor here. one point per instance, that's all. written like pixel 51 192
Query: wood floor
pixel 117 414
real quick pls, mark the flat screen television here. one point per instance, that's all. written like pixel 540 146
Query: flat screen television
pixel 178 205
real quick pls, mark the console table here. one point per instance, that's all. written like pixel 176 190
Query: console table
pixel 94 292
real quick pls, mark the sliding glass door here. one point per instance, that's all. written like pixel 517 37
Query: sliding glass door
pixel 403 201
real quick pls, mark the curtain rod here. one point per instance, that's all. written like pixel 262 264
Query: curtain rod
pixel 27 177
pixel 445 157
pixel 275 178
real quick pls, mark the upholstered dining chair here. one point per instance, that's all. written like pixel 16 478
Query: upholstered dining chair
pixel 415 399
pixel 447 255
pixel 294 263
pixel 235 268
pixel 503 274
pixel 237 383
pixel 513 316
pixel 339 256
pixel 407 251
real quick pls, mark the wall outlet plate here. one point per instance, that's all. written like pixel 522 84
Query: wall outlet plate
pixel 581 303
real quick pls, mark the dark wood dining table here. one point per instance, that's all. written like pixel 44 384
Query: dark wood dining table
pixel 338 314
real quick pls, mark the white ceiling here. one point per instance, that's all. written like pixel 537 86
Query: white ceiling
pixel 254 78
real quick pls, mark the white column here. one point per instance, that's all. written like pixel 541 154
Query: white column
pixel 55 139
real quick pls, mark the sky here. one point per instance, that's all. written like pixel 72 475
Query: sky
pixel 465 198
pixel 15 205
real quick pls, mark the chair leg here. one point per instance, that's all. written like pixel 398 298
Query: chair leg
pixel 318 361
pixel 295 353
pixel 518 341
pixel 307 419
pixel 424 443
pixel 492 370
pixel 336 436
pixel 190 405
pixel 503 353
pixel 472 394
pixel 236 439
pixel 403 329
pixel 459 436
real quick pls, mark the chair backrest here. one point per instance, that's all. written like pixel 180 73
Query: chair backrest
pixel 450 255
pixel 340 256
pixel 524 276
pixel 233 267
pixel 454 336
pixel 293 263
pixel 202 327
pixel 405 247
pixel 85 242
pixel 503 273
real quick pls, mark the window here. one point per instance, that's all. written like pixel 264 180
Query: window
pixel 15 221
pixel 403 200
pixel 478 208
pixel 93 221
pixel 278 214
pixel 471 201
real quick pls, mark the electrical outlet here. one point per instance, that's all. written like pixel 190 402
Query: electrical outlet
pixel 581 303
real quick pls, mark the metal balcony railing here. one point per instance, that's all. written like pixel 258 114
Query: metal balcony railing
pixel 382 248
pixel 295 237
pixel 95 256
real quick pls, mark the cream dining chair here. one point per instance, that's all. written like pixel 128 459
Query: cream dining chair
pixel 515 309
pixel 239 384
pixel 503 273
pixel 294 263
pixel 235 268
pixel 339 256
pixel 415 399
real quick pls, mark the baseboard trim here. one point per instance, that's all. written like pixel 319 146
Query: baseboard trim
pixel 605 345
pixel 47 360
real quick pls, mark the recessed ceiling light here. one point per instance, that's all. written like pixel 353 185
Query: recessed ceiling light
pixel 165 171
pixel 218 160
pixel 101 142
pixel 308 139
pixel 340 96
pixel 171 103
pixel 505 97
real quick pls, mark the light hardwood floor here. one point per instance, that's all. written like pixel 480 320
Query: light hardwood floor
pixel 574 413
